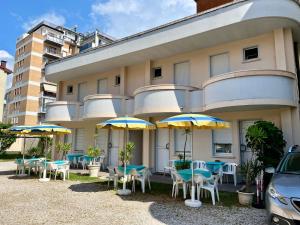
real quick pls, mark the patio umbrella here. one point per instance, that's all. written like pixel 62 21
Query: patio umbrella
pixel 20 130
pixel 191 121
pixel 46 130
pixel 126 123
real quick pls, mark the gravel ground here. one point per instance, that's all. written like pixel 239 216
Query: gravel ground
pixel 27 201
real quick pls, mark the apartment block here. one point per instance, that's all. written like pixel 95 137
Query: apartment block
pixel 30 91
pixel 4 71
pixel 236 61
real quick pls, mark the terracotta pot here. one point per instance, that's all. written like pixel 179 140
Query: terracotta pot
pixel 245 198
pixel 94 170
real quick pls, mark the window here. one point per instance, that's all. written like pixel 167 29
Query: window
pixel 117 80
pixel 222 141
pixel 102 86
pixel 219 64
pixel 182 73
pixel 180 137
pixel 70 89
pixel 157 72
pixel 250 53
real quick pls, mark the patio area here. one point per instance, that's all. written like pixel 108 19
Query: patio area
pixel 28 201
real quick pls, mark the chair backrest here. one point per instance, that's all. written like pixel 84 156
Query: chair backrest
pixel 198 164
pixel 134 172
pixel 230 168
pixel 172 163
pixel 175 176
pixel 118 172
pixel 198 179
pixel 111 171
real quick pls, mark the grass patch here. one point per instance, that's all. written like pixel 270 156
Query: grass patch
pixel 82 178
pixel 160 191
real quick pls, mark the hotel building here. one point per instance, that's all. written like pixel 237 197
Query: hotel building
pixel 30 91
pixel 236 60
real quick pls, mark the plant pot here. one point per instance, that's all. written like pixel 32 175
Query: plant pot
pixel 245 198
pixel 94 170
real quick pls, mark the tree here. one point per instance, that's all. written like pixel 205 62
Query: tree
pixel 64 148
pixel 130 146
pixel 6 139
pixel 267 142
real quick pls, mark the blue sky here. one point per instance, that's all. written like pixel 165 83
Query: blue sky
pixel 117 18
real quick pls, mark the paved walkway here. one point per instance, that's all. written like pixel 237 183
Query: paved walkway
pixel 28 201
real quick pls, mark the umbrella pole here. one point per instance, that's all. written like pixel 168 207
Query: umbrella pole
pixel 192 202
pixel 125 191
pixel 23 159
pixel 45 179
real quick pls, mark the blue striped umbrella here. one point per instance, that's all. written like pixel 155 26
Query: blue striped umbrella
pixel 126 123
pixel 190 121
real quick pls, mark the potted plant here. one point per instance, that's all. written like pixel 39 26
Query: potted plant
pixel 63 148
pixel 249 171
pixel 94 168
pixel 129 153
pixel 255 138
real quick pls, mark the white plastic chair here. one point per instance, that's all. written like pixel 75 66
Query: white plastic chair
pixel 82 162
pixel 64 169
pixel 169 167
pixel 230 169
pixel 142 177
pixel 112 176
pixel 177 180
pixel 208 185
pixel 198 164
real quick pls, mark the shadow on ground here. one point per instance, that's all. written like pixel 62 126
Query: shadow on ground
pixel 88 187
pixel 5 173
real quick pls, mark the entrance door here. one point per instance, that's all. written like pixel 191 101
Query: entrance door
pixel 136 136
pixel 114 148
pixel 246 152
pixel 182 73
pixel 162 151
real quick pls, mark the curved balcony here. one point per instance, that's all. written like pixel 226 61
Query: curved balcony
pixel 250 89
pixel 62 111
pixel 165 98
pixel 104 106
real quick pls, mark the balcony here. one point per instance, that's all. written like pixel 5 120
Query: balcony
pixel 104 106
pixel 52 53
pixel 250 89
pixel 61 111
pixel 51 38
pixel 166 98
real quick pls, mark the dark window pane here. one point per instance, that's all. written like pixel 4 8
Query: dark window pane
pixel 250 53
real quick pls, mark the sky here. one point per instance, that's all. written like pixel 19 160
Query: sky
pixel 118 18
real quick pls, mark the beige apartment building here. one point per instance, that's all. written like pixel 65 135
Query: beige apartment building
pixel 4 71
pixel 30 91
pixel 238 61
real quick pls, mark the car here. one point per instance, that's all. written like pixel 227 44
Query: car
pixel 283 192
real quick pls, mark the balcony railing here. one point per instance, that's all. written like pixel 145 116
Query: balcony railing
pixel 54 39
pixel 52 52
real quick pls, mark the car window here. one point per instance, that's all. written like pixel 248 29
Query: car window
pixel 291 164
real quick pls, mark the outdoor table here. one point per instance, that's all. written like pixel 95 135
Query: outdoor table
pixel 176 162
pixel 214 167
pixel 131 167
pixel 187 174
pixel 73 157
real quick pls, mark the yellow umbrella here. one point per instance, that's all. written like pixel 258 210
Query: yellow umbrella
pixel 126 123
pixel 191 121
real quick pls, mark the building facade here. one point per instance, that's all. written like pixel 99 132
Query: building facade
pixel 4 71
pixel 30 91
pixel 238 62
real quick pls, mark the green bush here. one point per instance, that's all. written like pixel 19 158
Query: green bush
pixel 93 152
pixel 267 142
pixel 6 139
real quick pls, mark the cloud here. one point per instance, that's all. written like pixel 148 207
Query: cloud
pixel 4 55
pixel 126 17
pixel 52 17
